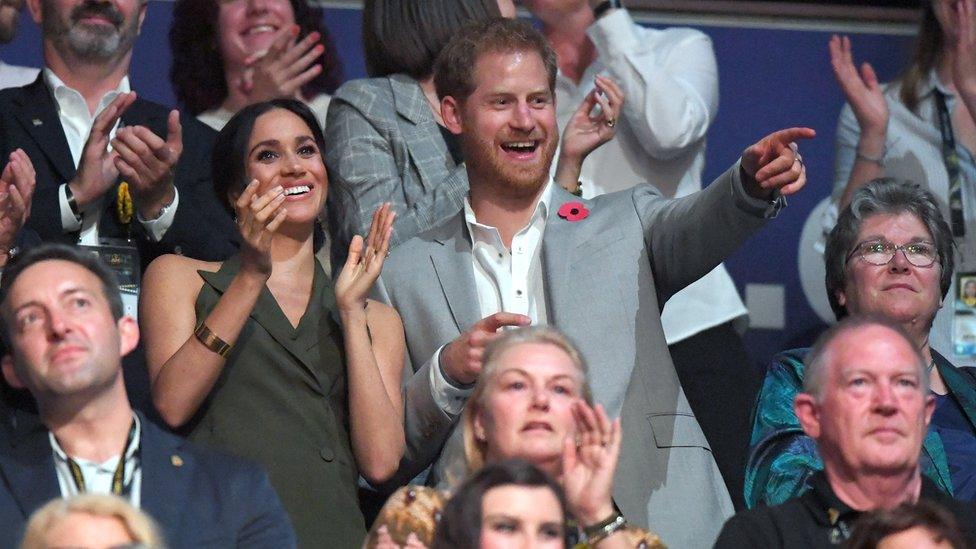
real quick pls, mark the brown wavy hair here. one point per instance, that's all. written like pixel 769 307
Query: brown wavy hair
pixel 197 70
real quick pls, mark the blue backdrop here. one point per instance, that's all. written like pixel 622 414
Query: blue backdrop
pixel 769 79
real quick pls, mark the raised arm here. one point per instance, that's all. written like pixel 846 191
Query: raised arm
pixel 687 237
pixel 860 149
pixel 375 352
pixel 182 371
pixel 670 79
pixel 584 133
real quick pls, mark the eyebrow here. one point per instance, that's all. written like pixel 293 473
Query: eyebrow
pixel 66 293
pixel 276 143
pixel 525 373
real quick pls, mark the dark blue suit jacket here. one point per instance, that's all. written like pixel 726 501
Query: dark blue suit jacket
pixel 202 228
pixel 198 497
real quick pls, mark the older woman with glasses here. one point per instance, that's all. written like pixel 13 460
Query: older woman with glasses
pixel 889 255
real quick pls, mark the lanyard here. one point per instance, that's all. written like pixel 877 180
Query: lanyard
pixel 951 159
pixel 118 477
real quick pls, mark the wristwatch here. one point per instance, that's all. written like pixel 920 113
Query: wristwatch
pixel 605 6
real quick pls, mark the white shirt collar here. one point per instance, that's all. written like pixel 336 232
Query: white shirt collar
pixel 62 90
pixel 129 451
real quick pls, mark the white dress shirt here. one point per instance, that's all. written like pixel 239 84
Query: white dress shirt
pixel 77 121
pixel 507 280
pixel 670 81
pixel 98 476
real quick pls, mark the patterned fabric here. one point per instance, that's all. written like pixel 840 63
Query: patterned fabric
pixel 417 510
pixel 383 145
pixel 782 457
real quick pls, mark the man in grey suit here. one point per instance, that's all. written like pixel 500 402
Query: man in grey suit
pixel 525 251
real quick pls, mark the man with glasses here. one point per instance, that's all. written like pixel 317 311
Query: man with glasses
pixel 62 318
pixel 890 255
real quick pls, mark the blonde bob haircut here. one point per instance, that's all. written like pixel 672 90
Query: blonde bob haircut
pixel 474 449
pixel 140 527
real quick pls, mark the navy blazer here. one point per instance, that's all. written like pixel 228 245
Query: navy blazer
pixel 199 498
pixel 201 229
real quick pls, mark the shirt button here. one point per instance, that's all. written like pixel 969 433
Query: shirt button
pixel 327 453
pixel 518 292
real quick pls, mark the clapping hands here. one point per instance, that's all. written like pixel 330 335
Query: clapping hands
pixel 282 69
pixel 365 261
pixel 589 463
pixel 258 217
pixel 862 90
pixel 16 190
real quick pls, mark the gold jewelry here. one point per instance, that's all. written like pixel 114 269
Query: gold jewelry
pixel 123 204
pixel 611 122
pixel 211 340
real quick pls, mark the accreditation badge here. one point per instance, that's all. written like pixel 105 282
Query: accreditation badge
pixel 964 315
pixel 123 258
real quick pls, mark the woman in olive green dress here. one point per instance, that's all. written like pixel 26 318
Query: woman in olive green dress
pixel 260 355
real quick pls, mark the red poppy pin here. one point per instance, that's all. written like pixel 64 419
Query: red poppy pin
pixel 573 211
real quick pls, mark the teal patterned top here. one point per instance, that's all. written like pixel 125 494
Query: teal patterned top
pixel 782 457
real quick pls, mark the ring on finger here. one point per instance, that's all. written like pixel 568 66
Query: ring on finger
pixel 611 122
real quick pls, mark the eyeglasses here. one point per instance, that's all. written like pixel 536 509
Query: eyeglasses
pixel 880 252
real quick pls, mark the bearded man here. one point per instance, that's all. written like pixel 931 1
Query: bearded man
pixel 85 131
pixel 523 250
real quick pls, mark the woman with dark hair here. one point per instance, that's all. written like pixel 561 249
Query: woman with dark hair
pixel 233 53
pixel 503 503
pixel 259 355
pixel 387 140
pixel 531 402
pixel 919 127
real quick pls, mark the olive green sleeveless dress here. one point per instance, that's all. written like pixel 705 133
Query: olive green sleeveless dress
pixel 281 401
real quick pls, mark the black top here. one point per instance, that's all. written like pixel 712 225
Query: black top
pixel 819 519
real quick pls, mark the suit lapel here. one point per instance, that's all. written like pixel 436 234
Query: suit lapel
pixel 559 251
pixel 452 262
pixel 165 471
pixel 410 103
pixel 37 112
pixel 29 470
pixel 269 315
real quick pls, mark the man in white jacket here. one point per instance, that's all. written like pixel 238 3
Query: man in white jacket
pixel 670 80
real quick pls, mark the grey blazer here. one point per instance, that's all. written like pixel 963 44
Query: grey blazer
pixel 382 144
pixel 606 280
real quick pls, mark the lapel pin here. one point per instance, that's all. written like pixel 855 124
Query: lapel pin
pixel 176 460
pixel 37 122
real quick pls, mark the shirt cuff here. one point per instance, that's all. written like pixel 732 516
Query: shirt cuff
pixel 449 397
pixel 69 223
pixel 156 228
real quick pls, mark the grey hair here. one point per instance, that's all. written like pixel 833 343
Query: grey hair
pixel 817 361
pixel 885 195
